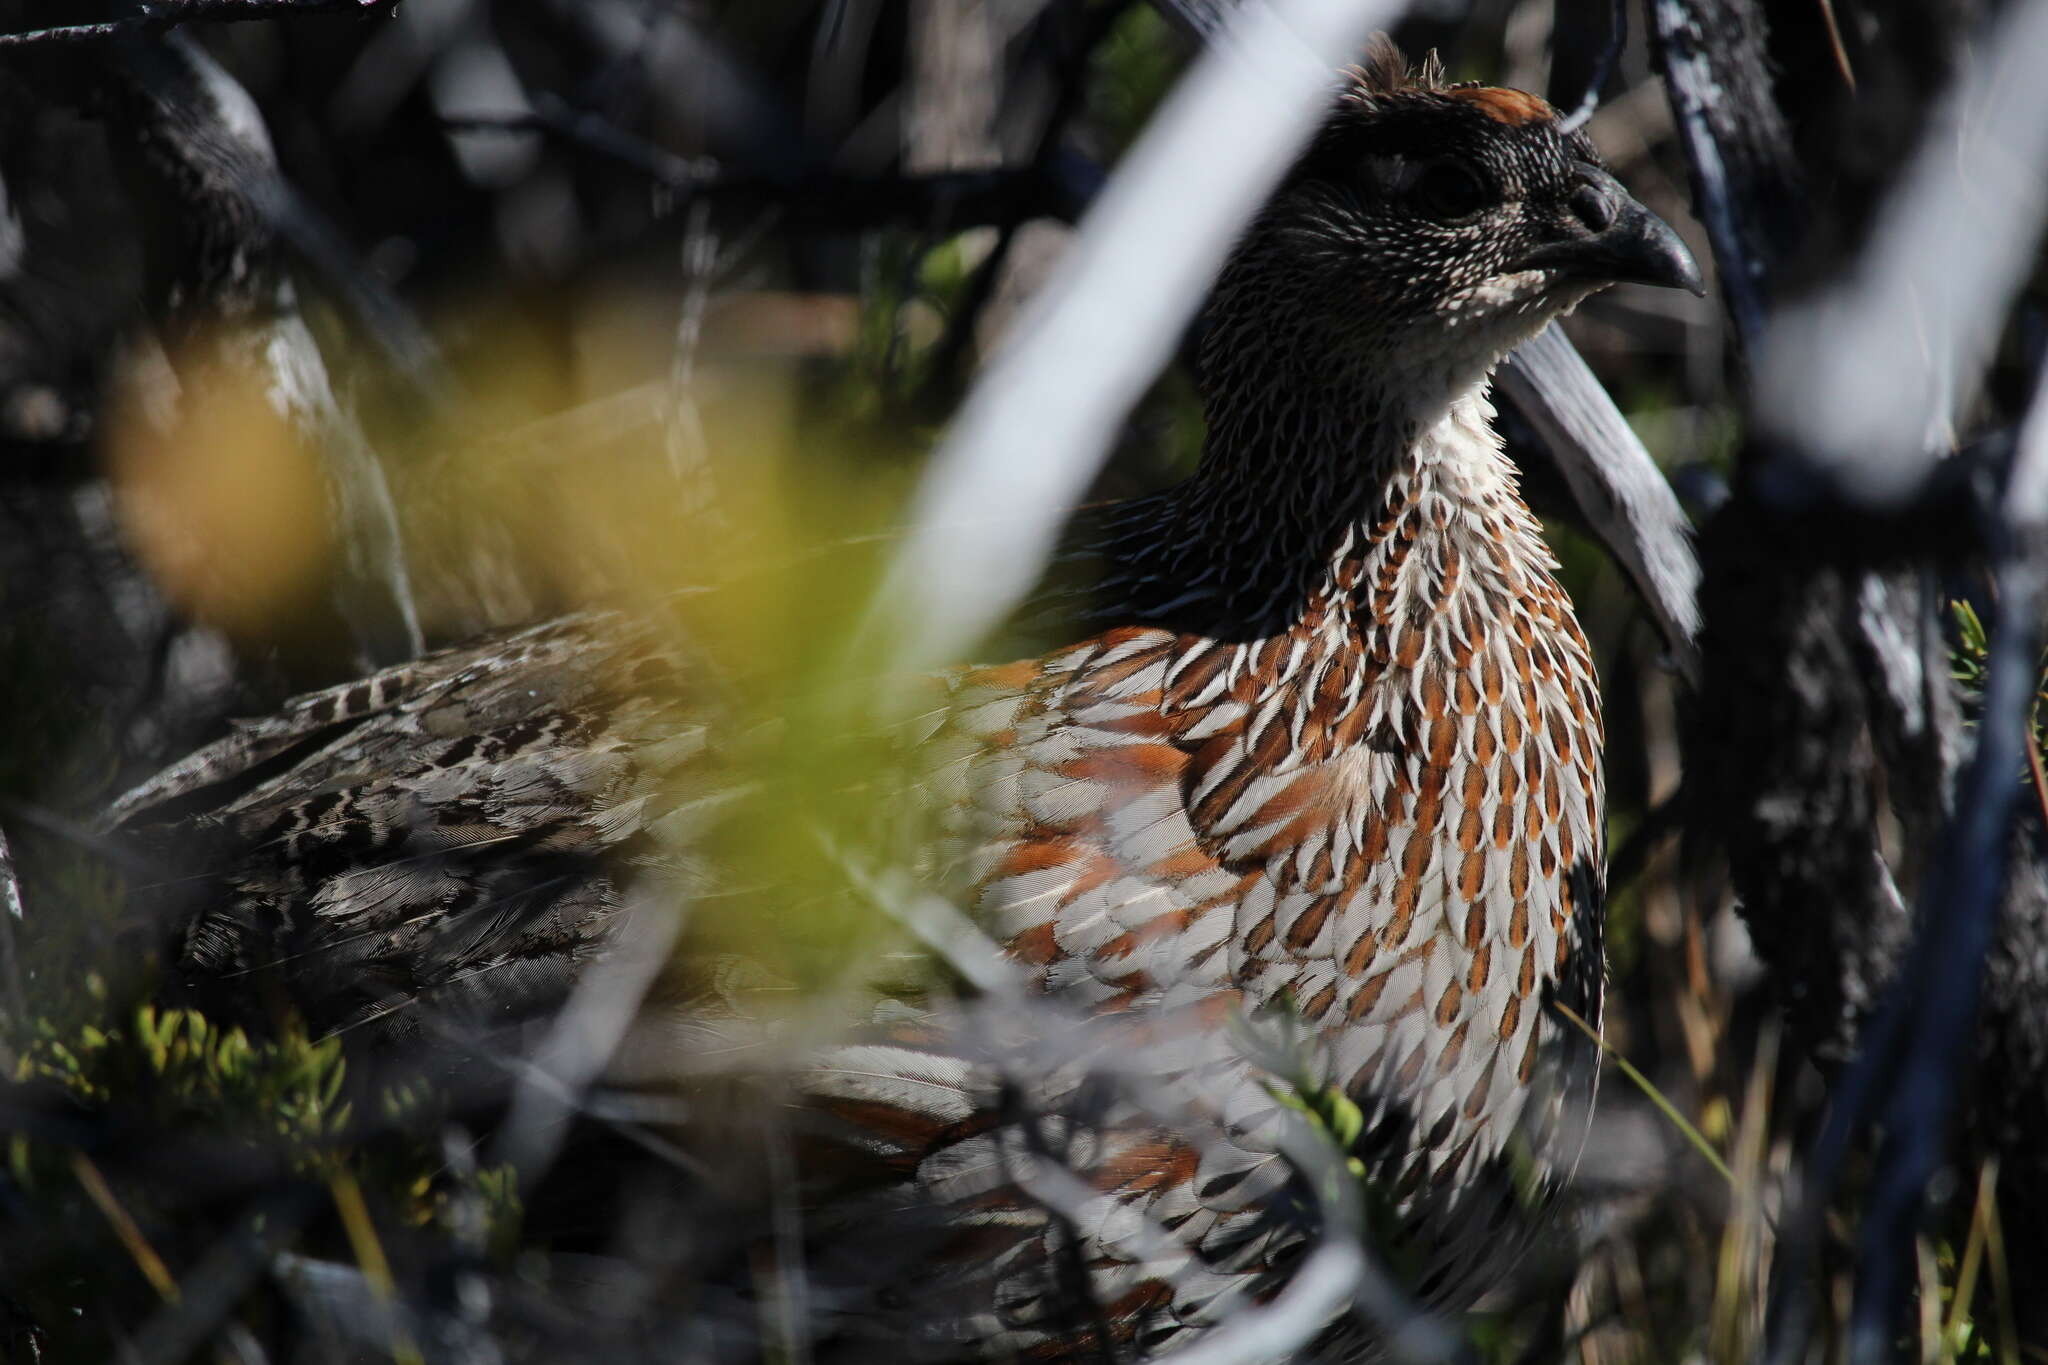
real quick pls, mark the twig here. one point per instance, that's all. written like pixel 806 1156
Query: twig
pixel 1045 1173
pixel 944 363
pixel 1603 67
pixel 683 439
pixel 1203 19
pixel 139 1250
pixel 518 1067
pixel 162 15
pixel 71 33
pixel 1841 53
pixel 1275 1331
pixel 1407 1332
pixel 410 353
pixel 10 915
pixel 935 921
pixel 1742 1239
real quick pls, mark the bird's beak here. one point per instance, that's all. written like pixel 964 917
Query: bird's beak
pixel 1605 236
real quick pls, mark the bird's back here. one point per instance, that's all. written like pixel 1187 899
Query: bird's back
pixel 442 840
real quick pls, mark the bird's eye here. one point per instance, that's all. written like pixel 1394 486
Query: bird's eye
pixel 1448 190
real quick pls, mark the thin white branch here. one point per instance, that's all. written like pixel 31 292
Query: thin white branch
pixel 2026 489
pixel 590 1029
pixel 934 920
pixel 1869 377
pixel 10 881
pixel 1037 425
pixel 15 1002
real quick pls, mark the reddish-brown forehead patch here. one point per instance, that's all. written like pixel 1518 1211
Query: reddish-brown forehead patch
pixel 1512 107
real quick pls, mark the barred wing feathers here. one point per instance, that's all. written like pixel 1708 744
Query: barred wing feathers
pixel 453 829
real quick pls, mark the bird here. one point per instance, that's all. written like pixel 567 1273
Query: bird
pixel 1307 807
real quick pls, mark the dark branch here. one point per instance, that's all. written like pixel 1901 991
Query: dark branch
pixel 1575 83
pixel 941 201
pixel 1938 998
pixel 160 15
pixel 1746 182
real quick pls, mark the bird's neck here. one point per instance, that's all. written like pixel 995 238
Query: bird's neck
pixel 1305 491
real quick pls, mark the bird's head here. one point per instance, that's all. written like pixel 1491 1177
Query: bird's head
pixel 1430 228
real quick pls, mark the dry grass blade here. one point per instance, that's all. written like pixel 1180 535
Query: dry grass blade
pixel 1973 1256
pixel 1643 1083
pixel 1931 1352
pixel 1836 49
pixel 1743 1268
pixel 102 1195
pixel 2001 1282
pixel 370 1258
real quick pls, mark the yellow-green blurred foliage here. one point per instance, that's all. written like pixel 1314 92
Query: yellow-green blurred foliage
pixel 740 535
pixel 220 494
